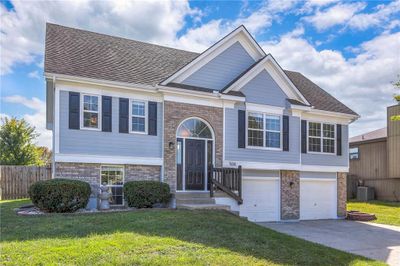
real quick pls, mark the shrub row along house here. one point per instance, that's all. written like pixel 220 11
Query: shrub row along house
pixel 273 143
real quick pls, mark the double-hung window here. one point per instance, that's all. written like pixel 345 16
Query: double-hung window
pixel 321 137
pixel 113 178
pixel 90 111
pixel 138 116
pixel 263 130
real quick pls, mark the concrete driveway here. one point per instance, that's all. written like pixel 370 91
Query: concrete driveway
pixel 380 242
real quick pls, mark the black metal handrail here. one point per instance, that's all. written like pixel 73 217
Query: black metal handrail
pixel 228 180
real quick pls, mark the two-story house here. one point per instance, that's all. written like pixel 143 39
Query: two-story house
pixel 123 110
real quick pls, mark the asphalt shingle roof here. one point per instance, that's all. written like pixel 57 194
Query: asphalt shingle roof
pixel 93 55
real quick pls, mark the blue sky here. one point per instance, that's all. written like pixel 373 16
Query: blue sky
pixel 351 48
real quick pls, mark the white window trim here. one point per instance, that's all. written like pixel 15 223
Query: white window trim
pixel 81 112
pixel 123 181
pixel 146 117
pixel 321 138
pixel 264 130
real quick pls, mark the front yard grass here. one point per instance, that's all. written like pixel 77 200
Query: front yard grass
pixel 386 212
pixel 154 237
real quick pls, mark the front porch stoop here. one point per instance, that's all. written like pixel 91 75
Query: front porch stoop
pixel 198 201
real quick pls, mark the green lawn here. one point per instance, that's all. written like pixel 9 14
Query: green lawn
pixel 154 237
pixel 386 212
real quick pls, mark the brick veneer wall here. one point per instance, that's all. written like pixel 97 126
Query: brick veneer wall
pixel 90 172
pixel 341 194
pixel 290 195
pixel 174 114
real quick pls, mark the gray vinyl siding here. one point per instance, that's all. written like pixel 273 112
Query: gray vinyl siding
pixel 322 175
pixel 233 153
pixel 330 159
pixel 221 70
pixel 262 89
pixel 108 143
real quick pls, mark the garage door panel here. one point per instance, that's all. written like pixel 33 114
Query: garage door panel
pixel 260 200
pixel 317 199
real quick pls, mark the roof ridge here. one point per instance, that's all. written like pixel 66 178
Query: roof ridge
pixel 118 37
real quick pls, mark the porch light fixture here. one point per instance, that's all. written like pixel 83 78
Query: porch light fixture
pixel 171 145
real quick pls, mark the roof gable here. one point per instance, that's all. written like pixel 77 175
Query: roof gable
pixel 222 69
pixel 269 65
pixel 239 35
pixel 263 89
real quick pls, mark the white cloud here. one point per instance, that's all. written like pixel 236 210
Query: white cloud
pixel 200 38
pixel 22 29
pixel 320 3
pixel 37 119
pixel 383 14
pixel 336 15
pixel 363 83
pixel 34 74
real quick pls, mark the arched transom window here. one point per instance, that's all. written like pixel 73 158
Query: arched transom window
pixel 194 128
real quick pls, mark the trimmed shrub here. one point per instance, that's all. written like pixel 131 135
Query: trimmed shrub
pixel 60 195
pixel 144 194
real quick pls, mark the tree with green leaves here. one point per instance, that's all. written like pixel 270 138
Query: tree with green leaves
pixel 17 143
pixel 397 98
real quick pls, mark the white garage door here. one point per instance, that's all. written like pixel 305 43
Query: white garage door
pixel 317 199
pixel 260 199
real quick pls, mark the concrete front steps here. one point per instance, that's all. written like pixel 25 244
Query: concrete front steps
pixel 198 201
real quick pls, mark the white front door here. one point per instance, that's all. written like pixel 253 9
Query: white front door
pixel 318 199
pixel 261 199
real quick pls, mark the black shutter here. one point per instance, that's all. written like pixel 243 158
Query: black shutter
pixel 152 106
pixel 241 128
pixel 303 136
pixel 338 139
pixel 74 100
pixel 106 116
pixel 123 115
pixel 285 133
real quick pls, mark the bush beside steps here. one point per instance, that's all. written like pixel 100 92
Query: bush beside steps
pixel 146 194
pixel 60 195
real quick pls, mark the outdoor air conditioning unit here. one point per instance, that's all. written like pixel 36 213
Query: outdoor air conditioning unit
pixel 365 193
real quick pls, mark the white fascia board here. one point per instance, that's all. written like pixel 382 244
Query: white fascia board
pixel 80 158
pixel 108 91
pixel 264 108
pixel 323 168
pixel 269 64
pixel 102 82
pixel 285 166
pixel 325 116
pixel 214 95
pixel 240 34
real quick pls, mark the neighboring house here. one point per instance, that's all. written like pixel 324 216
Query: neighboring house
pixel 375 159
pixel 124 110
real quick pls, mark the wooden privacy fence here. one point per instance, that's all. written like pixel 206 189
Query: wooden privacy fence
pixel 16 180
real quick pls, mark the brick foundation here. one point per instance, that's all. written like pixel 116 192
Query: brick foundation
pixel 174 114
pixel 290 195
pixel 341 194
pixel 90 172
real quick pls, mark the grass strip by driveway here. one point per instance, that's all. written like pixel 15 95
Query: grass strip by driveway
pixel 386 212
pixel 154 237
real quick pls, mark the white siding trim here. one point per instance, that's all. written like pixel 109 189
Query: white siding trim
pixel 285 166
pixel 56 133
pixel 79 158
